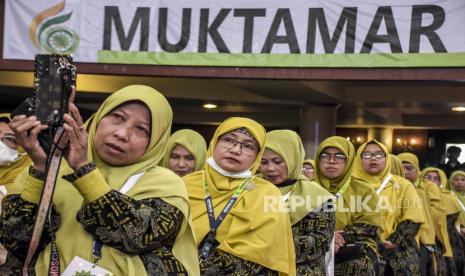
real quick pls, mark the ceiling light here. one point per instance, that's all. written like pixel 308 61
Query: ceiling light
pixel 458 108
pixel 210 106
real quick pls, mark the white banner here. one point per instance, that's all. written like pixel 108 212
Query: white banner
pixel 272 33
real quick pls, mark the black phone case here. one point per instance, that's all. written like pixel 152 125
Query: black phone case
pixel 53 76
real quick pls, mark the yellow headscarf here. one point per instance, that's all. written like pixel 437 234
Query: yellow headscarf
pixel 358 171
pixel 404 202
pixel 309 161
pixel 247 231
pixel 9 173
pixel 412 159
pixel 450 199
pixel 435 202
pixel 288 145
pixel 346 147
pixel 191 141
pixel 356 187
pixel 157 182
pixel 460 195
pixel 396 166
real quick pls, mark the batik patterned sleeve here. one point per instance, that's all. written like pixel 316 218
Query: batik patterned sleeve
pixel 314 233
pixel 223 263
pixel 16 226
pixel 132 226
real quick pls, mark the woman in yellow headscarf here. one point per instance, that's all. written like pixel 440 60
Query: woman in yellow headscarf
pixel 114 210
pixel 399 204
pixel 425 237
pixel 356 236
pixel 310 206
pixel 437 210
pixel 457 185
pixel 452 206
pixel 13 160
pixel 186 152
pixel 309 168
pixel 251 235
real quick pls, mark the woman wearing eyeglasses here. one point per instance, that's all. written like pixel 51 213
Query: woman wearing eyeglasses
pixel 457 185
pixel 441 247
pixel 310 206
pixel 454 261
pixel 239 230
pixel 356 236
pixel 308 168
pixel 400 206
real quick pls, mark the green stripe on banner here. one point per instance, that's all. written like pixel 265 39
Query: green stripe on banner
pixel 284 60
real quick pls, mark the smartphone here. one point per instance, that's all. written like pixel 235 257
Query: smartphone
pixel 54 74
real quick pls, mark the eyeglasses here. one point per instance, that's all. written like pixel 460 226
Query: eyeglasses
pixel 9 140
pixel 369 155
pixel 432 178
pixel 307 169
pixel 247 147
pixel 325 157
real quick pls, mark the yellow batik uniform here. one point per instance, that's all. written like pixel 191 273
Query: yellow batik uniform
pixel 313 220
pixel 249 235
pixel 150 224
pixel 437 211
pixel 402 212
pixel 454 261
pixel 360 225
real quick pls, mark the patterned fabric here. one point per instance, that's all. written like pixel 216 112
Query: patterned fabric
pixel 458 248
pixel 83 170
pixel 427 264
pixel 441 267
pixel 312 238
pixel 16 227
pixel 147 227
pixel 405 259
pixel 37 174
pixel 223 263
pixel 369 264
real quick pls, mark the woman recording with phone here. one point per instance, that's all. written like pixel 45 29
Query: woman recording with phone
pixel 114 210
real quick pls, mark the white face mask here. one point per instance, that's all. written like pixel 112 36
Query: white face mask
pixel 7 154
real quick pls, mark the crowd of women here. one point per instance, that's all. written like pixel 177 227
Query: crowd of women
pixel 131 199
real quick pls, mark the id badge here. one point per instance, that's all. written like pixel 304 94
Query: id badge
pixel 79 266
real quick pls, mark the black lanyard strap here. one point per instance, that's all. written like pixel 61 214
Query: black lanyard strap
pixel 215 223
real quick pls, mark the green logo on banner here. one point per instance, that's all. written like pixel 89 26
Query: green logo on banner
pixel 47 32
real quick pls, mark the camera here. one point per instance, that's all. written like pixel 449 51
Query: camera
pixel 54 76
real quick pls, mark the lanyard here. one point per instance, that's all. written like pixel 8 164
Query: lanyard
pixel 215 223
pixel 383 184
pixel 53 165
pixel 343 189
pixel 97 245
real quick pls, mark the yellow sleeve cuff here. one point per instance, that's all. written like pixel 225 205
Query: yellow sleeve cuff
pixel 32 189
pixel 92 186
